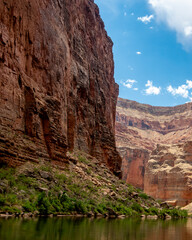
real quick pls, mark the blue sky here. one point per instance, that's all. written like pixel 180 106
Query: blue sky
pixel 152 49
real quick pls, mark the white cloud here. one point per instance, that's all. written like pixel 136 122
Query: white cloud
pixel 135 89
pixel 189 84
pixel 129 83
pixel 177 15
pixel 182 90
pixel 146 19
pixel 138 53
pixel 188 31
pixel 125 14
pixel 152 89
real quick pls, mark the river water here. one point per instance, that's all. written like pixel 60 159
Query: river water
pixel 94 229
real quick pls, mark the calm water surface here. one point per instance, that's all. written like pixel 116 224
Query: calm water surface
pixel 97 229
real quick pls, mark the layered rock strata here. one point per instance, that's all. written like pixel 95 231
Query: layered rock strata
pixel 134 161
pixel 140 127
pixel 57 90
pixel 168 174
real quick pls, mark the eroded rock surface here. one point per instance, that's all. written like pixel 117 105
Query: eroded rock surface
pixel 57 90
pixel 133 165
pixel 140 127
pixel 168 174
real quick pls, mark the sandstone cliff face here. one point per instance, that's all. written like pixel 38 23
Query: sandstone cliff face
pixel 133 167
pixel 140 127
pixel 168 175
pixel 57 90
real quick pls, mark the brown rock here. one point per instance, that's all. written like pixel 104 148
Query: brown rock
pixel 140 128
pixel 188 208
pixel 57 90
pixel 152 217
pixel 168 175
pixel 133 165
pixel 72 158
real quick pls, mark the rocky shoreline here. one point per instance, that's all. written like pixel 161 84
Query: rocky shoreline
pixel 96 216
pixel 83 188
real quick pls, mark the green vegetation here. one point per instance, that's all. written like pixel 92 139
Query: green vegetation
pixel 82 159
pixel 163 213
pixel 82 188
pixel 143 195
pixel 174 213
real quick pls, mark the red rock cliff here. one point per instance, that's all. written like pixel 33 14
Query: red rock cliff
pixel 168 174
pixel 140 127
pixel 57 90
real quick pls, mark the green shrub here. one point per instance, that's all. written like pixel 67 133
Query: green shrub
pixel 61 177
pixel 92 202
pixel 183 213
pixel 46 168
pixel 122 209
pixel 101 208
pixel 92 187
pixel 67 203
pixel 75 189
pixel 152 211
pixel 6 173
pixel 143 195
pixel 177 213
pixel 2 200
pixel 11 209
pixel 174 213
pixel 136 207
pixel 162 213
pixel 26 181
pixel 43 204
pixel 82 159
pixel 80 207
pixel 64 197
pixel 28 207
pixel 11 199
pixel 56 204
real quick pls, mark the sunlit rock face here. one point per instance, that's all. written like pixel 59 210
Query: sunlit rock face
pixel 168 174
pixel 139 129
pixel 133 165
pixel 57 90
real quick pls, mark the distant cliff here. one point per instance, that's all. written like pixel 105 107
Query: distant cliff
pixel 57 91
pixel 139 129
pixel 168 174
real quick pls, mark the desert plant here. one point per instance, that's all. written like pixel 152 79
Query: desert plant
pixel 43 204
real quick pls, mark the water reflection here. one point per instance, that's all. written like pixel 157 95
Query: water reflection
pixel 94 229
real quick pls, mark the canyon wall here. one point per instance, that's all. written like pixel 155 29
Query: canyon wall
pixel 168 174
pixel 57 91
pixel 133 165
pixel 139 129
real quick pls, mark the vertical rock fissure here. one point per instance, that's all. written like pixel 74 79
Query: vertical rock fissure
pixel 30 111
pixel 47 132
pixel 71 122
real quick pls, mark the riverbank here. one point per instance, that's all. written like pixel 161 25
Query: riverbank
pixel 84 186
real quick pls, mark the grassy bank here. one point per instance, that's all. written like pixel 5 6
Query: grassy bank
pixel 82 187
